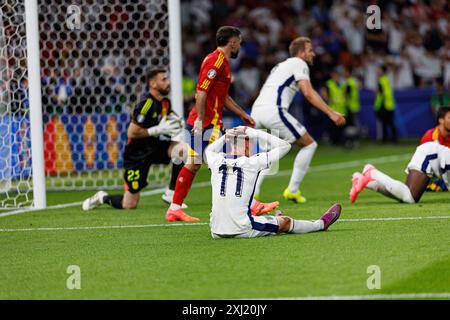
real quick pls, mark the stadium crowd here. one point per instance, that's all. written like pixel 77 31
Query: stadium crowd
pixel 413 43
pixel 101 67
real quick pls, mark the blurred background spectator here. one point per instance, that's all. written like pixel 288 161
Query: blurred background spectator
pixel 413 47
pixel 385 106
pixel 100 68
pixel 440 98
pixel 414 40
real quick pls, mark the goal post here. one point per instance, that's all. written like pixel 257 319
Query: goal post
pixel 176 63
pixel 71 72
pixel 34 97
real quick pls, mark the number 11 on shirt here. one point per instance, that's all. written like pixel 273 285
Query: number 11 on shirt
pixel 224 170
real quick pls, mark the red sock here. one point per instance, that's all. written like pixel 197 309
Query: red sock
pixel 184 182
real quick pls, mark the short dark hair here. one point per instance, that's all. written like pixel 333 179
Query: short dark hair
pixel 152 73
pixel 225 33
pixel 297 45
pixel 442 111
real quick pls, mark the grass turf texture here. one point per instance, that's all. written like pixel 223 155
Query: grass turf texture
pixel 184 262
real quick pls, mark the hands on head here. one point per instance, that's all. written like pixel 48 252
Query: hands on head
pixel 235 132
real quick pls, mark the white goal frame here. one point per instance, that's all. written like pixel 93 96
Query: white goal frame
pixel 36 126
pixel 33 61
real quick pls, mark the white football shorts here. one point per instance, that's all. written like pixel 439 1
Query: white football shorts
pixel 425 159
pixel 262 226
pixel 279 121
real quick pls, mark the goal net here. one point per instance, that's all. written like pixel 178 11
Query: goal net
pixel 94 55
pixel 15 147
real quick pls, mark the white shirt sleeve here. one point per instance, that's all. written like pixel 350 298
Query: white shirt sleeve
pixel 213 158
pixel 213 152
pixel 301 70
pixel 277 148
pixel 262 160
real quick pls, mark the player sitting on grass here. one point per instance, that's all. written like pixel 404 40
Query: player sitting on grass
pixel 205 119
pixel 233 178
pixel 430 160
pixel 153 126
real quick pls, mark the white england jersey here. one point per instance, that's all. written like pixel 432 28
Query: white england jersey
pixel 281 85
pixel 433 159
pixel 233 183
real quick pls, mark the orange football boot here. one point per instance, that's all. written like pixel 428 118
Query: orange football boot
pixel 179 215
pixel 260 208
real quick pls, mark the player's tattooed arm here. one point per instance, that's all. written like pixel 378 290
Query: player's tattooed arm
pixel 231 105
pixel 200 105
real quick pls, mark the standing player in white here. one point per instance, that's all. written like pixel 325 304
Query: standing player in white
pixel 431 159
pixel 233 178
pixel 270 110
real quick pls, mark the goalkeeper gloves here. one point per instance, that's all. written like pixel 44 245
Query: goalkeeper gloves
pixel 174 117
pixel 178 136
pixel 167 126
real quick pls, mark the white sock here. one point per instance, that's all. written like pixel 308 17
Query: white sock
pixel 301 166
pixel 378 187
pixel 169 193
pixel 303 226
pixel 386 184
pixel 174 206
pixel 374 185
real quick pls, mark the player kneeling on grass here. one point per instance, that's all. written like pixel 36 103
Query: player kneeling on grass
pixel 149 141
pixel 233 178
pixel 430 160
pixel 441 134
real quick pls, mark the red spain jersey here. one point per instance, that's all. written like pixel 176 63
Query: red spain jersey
pixel 215 80
pixel 433 135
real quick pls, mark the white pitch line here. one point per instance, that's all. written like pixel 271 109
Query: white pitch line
pixel 354 163
pixel 393 296
pixel 200 224
pixel 319 168
pixel 394 219
pixel 76 204
pixel 106 227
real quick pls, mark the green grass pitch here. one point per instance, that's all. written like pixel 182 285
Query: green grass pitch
pixel 136 255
